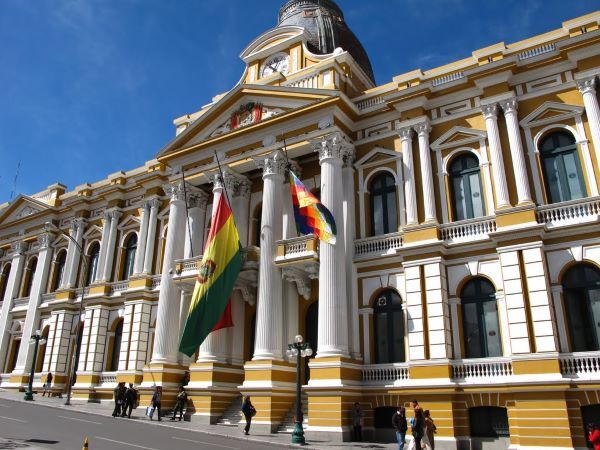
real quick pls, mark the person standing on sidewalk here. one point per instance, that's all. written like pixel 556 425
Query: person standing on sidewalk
pixel 430 429
pixel 418 426
pixel 156 398
pixel 180 403
pixel 400 425
pixel 119 393
pixel 249 411
pixel 47 385
pixel 130 400
pixel 357 421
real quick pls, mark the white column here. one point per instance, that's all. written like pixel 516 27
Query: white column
pixel 59 338
pixel 366 314
pixel 74 254
pixel 32 318
pixel 140 252
pixel 239 188
pixel 103 246
pixel 349 212
pixel 149 255
pixel 333 304
pixel 269 310
pixel 490 113
pixel 12 289
pixel 422 131
pixel 166 339
pixel 111 247
pixel 194 245
pixel 238 312
pixel 186 299
pixel 516 150
pixel 456 344
pixel 590 101
pixel 409 176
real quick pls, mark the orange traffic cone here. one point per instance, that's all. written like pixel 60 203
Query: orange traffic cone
pixel 85 444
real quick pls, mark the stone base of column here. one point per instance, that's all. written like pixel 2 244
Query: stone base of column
pixel 426 232
pixel 135 377
pixel 516 217
pixel 165 375
pixel 140 281
pixel 272 388
pixel 99 289
pixel 18 380
pixel 65 294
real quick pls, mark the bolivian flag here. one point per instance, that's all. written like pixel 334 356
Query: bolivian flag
pixel 221 264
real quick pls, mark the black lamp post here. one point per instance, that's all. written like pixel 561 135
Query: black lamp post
pixel 36 339
pixel 300 350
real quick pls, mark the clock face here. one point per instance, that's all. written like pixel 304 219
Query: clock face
pixel 277 63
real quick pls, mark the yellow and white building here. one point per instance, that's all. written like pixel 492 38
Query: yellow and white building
pixel 466 272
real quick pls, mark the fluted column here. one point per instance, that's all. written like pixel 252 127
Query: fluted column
pixel 194 230
pixel 269 310
pixel 115 215
pixel 73 253
pixel 490 113
pixel 422 131
pixel 333 149
pixel 516 150
pixel 150 241
pixel 103 246
pixel 410 195
pixel 590 101
pixel 12 288
pixel 239 188
pixel 140 252
pixel 166 339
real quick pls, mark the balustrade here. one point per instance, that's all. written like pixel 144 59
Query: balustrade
pixel 370 103
pixel 468 230
pixel 447 78
pixel 536 51
pixel 108 378
pixel 384 373
pixel 119 286
pixel 569 213
pixel 481 369
pixel 580 364
pixel 378 245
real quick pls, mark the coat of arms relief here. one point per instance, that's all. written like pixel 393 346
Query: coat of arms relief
pixel 246 114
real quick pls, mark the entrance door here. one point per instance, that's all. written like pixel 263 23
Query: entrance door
pixel 311 326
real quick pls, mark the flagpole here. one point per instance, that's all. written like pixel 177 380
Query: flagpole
pixel 187 213
pixel 224 188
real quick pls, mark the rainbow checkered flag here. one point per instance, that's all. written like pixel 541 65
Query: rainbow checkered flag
pixel 310 214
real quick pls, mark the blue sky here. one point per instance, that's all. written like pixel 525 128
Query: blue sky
pixel 91 87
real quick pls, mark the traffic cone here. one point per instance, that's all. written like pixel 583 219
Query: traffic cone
pixel 85 444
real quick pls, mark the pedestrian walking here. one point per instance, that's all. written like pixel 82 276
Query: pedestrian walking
pixel 119 394
pixel 156 398
pixel 418 425
pixel 594 436
pixel 180 403
pixel 130 401
pixel 248 411
pixel 357 422
pixel 430 430
pixel 47 384
pixel 400 425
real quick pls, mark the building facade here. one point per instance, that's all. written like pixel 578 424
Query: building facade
pixel 466 271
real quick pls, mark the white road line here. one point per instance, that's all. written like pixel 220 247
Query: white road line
pixel 80 420
pixel 4 406
pixel 125 443
pixel 204 443
pixel 11 418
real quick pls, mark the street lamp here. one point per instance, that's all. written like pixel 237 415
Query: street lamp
pixel 36 339
pixel 51 227
pixel 300 350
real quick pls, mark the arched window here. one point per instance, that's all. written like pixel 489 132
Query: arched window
pixel 384 216
pixel 130 249
pixel 93 257
pixel 562 168
pixel 389 328
pixel 581 293
pixel 61 262
pixel 465 184
pixel 480 319
pixel 113 362
pixel 4 280
pixel 30 276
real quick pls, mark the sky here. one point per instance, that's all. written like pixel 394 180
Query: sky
pixel 91 87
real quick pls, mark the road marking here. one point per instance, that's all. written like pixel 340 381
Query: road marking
pixel 16 420
pixel 125 443
pixel 4 406
pixel 80 420
pixel 204 443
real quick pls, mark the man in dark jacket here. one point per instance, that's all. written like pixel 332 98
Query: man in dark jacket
pixel 180 403
pixel 130 401
pixel 400 425
pixel 119 393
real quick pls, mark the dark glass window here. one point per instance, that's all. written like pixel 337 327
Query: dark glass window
pixel 30 277
pixel 389 328
pixel 257 226
pixel 4 281
pixel 130 249
pixel 384 203
pixel 562 168
pixel 465 183
pixel 480 319
pixel 489 421
pixel 116 350
pixel 61 262
pixel 383 416
pixel 93 258
pixel 581 293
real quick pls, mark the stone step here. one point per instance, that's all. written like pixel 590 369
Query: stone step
pixel 232 415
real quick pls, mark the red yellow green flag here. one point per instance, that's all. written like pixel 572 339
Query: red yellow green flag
pixel 221 264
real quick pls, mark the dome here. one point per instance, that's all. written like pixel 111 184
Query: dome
pixel 324 20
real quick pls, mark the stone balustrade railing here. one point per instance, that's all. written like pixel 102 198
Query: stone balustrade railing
pixel 108 377
pixel 155 282
pixel 573 212
pixel 302 247
pixel 308 82
pixel 580 365
pixel 188 265
pixel 536 51
pixel 384 373
pixel 378 245
pixel 468 230
pixel 119 286
pixel 481 369
pixel 447 78
pixel 370 102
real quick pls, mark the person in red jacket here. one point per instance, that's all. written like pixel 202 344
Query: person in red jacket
pixel 594 436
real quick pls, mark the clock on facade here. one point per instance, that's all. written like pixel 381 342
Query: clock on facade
pixel 276 63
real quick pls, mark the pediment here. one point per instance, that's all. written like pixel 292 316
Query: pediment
pixel 128 222
pixel 550 112
pixel 22 207
pixel 377 156
pixel 457 136
pixel 273 40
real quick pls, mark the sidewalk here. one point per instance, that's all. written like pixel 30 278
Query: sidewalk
pixel 105 409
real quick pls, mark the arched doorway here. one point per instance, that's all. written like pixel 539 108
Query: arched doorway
pixel 311 331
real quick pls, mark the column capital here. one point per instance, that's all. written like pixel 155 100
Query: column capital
pixel 333 146
pixel 77 223
pixel 44 240
pixel 509 106
pixel 274 164
pixel 152 203
pixel 238 185
pixel 18 247
pixel 405 133
pixel 587 85
pixel 295 167
pixel 175 191
pixel 423 128
pixel 490 111
pixel 115 214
